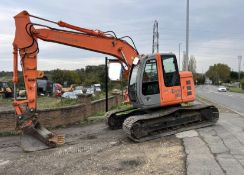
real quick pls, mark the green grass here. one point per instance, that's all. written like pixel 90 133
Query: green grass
pixel 100 116
pixel 6 78
pixel 45 102
pixel 99 95
pixel 235 89
pixel 5 102
pixel 54 102
pixel 4 134
pixel 187 104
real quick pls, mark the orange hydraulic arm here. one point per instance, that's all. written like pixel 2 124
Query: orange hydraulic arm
pixel 26 44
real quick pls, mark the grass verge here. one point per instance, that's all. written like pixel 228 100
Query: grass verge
pixel 100 116
pixel 45 102
pixel 4 134
pixel 235 89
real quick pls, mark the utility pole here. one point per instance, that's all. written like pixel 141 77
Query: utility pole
pixel 187 33
pixel 179 56
pixel 106 83
pixel 239 70
pixel 155 44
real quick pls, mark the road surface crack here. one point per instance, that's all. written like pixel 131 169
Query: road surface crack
pixel 214 155
pixel 185 156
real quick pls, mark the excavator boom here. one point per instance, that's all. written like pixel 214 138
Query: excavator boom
pixel 26 43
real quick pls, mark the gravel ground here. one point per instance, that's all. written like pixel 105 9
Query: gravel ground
pixel 94 149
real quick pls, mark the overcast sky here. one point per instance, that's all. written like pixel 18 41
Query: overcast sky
pixel 216 28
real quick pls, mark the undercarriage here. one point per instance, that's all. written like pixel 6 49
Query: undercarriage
pixel 146 124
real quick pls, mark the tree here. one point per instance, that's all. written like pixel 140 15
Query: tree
pixel 242 84
pixel 219 73
pixel 69 76
pixel 199 78
pixel 234 75
pixel 82 75
pixel 192 66
pixel 94 74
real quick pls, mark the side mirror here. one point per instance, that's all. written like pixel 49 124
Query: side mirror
pixel 136 60
pixel 114 71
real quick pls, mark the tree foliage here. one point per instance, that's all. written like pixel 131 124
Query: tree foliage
pixel 192 64
pixel 242 84
pixel 94 74
pixel 219 73
pixel 199 78
pixel 69 76
pixel 84 76
pixel 234 75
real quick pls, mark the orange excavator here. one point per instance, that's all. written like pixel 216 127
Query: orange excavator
pixel 156 88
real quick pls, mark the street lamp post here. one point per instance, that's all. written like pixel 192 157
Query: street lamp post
pixel 187 33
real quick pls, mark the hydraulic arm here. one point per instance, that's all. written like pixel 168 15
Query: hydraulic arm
pixel 26 43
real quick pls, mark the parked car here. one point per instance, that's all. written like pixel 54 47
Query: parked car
pixel 69 95
pixel 57 89
pixel 90 91
pixel 79 87
pixel 222 89
pixel 78 92
pixel 5 90
pixel 97 87
pixel 68 89
pixel 22 93
pixel 44 87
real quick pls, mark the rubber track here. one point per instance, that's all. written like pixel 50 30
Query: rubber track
pixel 129 122
pixel 114 119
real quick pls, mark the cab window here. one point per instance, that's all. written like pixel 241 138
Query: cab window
pixel 170 71
pixel 150 78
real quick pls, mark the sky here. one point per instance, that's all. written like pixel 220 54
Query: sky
pixel 216 29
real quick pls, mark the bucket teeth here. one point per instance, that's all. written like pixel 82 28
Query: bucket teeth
pixel 57 139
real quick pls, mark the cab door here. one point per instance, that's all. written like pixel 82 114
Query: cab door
pixel 169 79
pixel 149 92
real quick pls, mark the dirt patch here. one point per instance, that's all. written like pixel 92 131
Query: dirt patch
pixel 132 162
pixel 94 149
pixel 91 136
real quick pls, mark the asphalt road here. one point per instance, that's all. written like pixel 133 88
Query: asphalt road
pixel 231 100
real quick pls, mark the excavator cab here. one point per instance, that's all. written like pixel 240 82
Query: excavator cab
pixel 156 81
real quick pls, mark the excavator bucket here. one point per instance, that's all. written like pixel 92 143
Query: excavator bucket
pixel 29 143
pixel 36 137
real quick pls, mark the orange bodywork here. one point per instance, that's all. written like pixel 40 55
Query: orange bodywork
pixel 187 87
pixel 25 41
pixel 175 94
